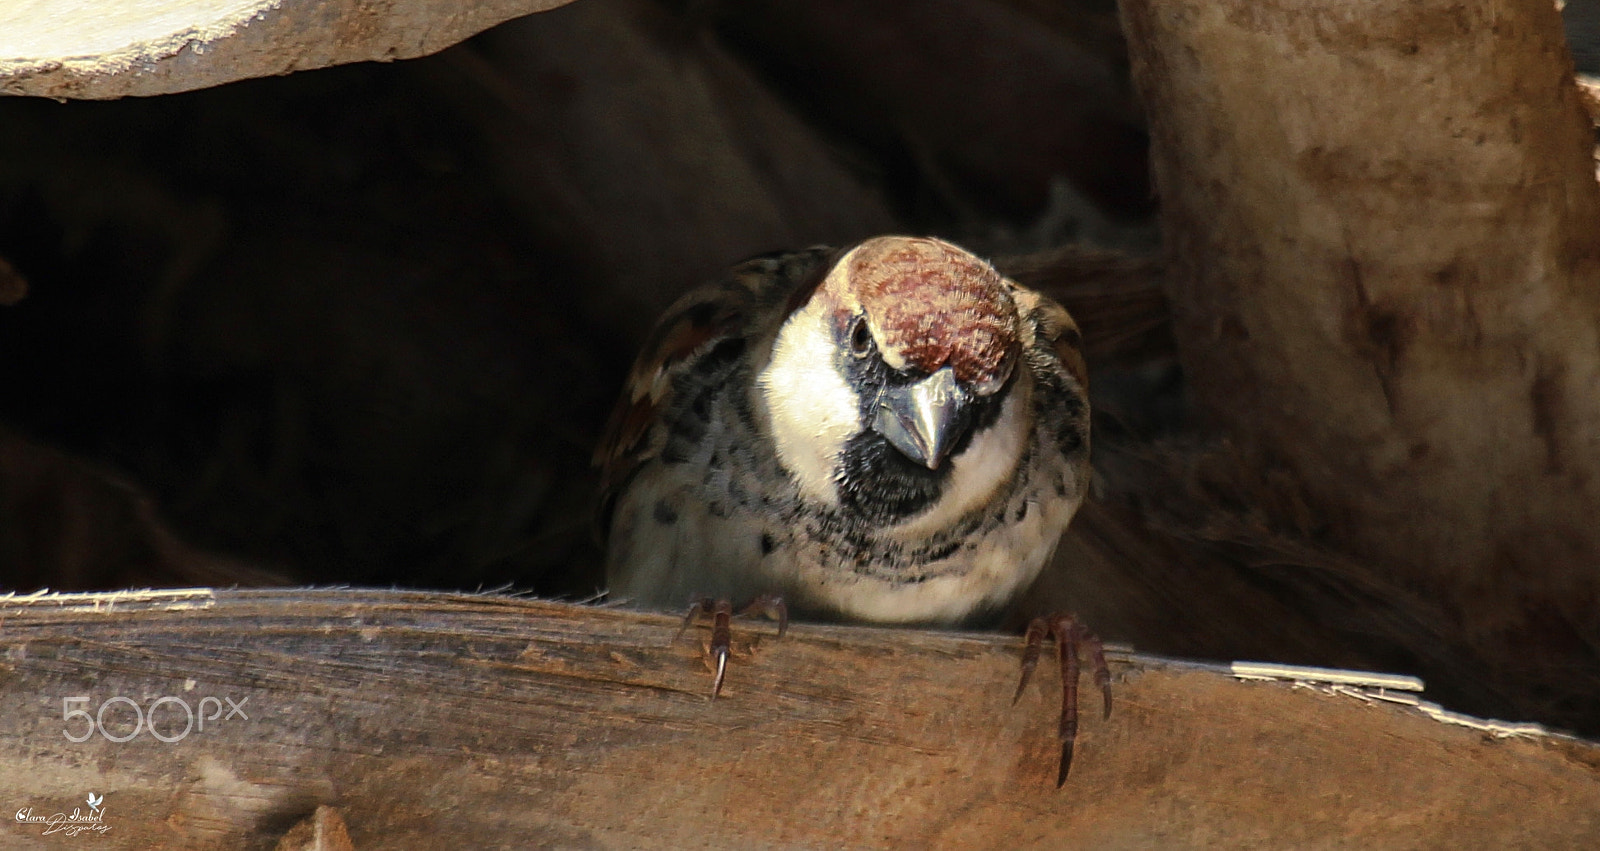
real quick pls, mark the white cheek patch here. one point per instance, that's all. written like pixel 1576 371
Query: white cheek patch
pixel 812 410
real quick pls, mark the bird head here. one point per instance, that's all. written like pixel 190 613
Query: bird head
pixel 892 383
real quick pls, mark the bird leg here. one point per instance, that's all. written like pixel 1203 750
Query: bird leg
pixel 720 613
pixel 1070 636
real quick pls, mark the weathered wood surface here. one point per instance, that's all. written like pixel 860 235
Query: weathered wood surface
pixel 114 48
pixel 433 720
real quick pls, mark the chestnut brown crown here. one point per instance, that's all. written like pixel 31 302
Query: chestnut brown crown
pixel 930 304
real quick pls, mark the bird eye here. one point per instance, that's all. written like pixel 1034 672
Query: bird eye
pixel 860 337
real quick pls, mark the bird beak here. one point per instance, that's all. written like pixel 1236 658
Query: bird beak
pixel 924 420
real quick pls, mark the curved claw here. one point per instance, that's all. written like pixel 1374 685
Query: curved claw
pixel 772 606
pixel 721 613
pixel 1069 636
pixel 696 609
pixel 1031 645
pixel 1102 673
pixel 1068 633
pixel 721 671
pixel 721 642
pixel 1021 684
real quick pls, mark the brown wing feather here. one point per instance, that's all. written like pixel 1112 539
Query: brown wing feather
pixel 1057 326
pixel 693 326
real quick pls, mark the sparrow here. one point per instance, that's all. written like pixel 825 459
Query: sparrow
pixel 891 432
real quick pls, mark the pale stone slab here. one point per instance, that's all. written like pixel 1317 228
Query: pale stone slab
pixel 99 49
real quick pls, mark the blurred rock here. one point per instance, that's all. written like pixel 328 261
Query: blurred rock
pixel 70 525
pixel 971 108
pixel 646 158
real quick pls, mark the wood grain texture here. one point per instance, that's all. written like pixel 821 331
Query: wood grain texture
pixel 486 721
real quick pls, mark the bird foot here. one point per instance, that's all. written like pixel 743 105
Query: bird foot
pixel 721 614
pixel 1070 636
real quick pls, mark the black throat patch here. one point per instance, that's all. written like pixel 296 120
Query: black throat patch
pixel 879 485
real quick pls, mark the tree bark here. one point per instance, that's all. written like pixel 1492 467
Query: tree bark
pixel 1384 237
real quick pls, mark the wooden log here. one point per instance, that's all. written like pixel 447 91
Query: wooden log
pixel 436 720
pixel 1384 233
pixel 109 48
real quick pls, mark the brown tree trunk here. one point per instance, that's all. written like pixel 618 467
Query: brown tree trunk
pixel 1384 236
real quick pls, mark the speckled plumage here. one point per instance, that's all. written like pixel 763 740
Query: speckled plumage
pixel 742 459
